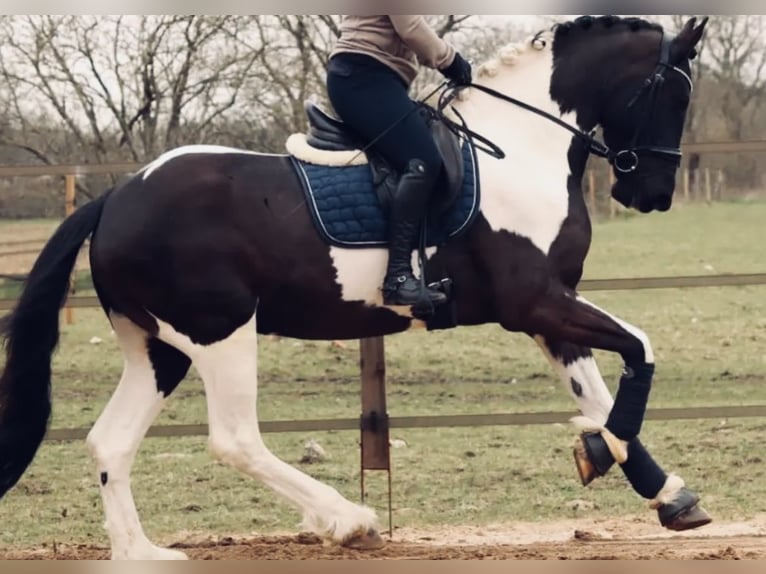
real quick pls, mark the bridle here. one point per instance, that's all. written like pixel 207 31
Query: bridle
pixel 625 160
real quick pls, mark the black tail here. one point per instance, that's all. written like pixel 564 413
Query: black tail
pixel 32 333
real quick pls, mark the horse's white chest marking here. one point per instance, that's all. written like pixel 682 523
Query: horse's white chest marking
pixel 525 196
pixel 526 192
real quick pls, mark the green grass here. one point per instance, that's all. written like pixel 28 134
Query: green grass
pixel 710 351
pixel 683 241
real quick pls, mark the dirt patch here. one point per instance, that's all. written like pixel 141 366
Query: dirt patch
pixel 572 540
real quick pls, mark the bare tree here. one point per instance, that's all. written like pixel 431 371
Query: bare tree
pixel 104 88
pixel 736 56
pixel 294 67
pixel 731 77
pixel 121 86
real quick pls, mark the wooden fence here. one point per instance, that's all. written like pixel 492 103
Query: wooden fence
pixel 435 421
pixel 702 148
pixel 624 284
pixel 710 183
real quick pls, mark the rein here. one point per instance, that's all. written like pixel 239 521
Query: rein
pixel 625 160
pixel 594 146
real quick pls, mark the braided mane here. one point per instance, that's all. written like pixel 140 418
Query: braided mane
pixel 585 23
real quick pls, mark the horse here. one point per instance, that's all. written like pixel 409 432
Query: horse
pixel 206 247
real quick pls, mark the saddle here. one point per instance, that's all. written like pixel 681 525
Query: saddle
pixel 349 189
pixel 328 133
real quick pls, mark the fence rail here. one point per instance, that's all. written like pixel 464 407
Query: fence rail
pixel 625 284
pixel 750 146
pixel 69 169
pixel 436 421
pixel 474 420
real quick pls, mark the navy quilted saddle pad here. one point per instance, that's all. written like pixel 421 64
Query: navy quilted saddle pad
pixel 347 213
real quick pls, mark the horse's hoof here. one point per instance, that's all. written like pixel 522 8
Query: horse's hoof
pixel 592 457
pixel 585 469
pixel 369 540
pixel 683 513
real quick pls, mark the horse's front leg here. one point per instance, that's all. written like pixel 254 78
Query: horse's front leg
pixel 610 427
pixel 580 374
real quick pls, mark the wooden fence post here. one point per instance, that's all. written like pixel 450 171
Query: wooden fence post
pixel 708 187
pixel 375 447
pixel 592 192
pixel 70 181
pixel 686 185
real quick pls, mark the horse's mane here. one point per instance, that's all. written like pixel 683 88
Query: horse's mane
pixel 509 54
pixel 563 32
pixel 506 56
pixel 586 23
pixel 557 37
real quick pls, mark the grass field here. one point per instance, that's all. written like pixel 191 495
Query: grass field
pixel 710 346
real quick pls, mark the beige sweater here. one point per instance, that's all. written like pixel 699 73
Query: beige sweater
pixel 400 42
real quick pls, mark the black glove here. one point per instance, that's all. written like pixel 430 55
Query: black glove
pixel 459 71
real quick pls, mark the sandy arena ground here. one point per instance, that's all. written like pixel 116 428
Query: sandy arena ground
pixel 576 539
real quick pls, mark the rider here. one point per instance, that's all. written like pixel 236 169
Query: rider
pixel 371 69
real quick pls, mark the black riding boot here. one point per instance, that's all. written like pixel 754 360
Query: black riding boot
pixel 400 287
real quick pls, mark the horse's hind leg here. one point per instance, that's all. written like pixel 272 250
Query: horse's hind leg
pixel 569 317
pixel 229 371
pixel 115 438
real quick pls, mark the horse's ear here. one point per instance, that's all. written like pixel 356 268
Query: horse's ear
pixel 689 37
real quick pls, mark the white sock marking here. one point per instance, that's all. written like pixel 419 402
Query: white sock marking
pixel 115 438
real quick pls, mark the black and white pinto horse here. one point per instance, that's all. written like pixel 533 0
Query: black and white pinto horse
pixel 208 246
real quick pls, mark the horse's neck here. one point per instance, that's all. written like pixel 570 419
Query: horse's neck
pixel 527 79
pixel 526 192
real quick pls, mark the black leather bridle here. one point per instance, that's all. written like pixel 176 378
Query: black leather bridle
pixel 625 160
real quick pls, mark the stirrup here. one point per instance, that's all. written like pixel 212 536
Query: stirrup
pixel 392 294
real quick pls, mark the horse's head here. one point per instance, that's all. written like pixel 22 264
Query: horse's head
pixel 633 80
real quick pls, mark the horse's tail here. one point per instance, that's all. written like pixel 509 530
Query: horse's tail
pixel 31 333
